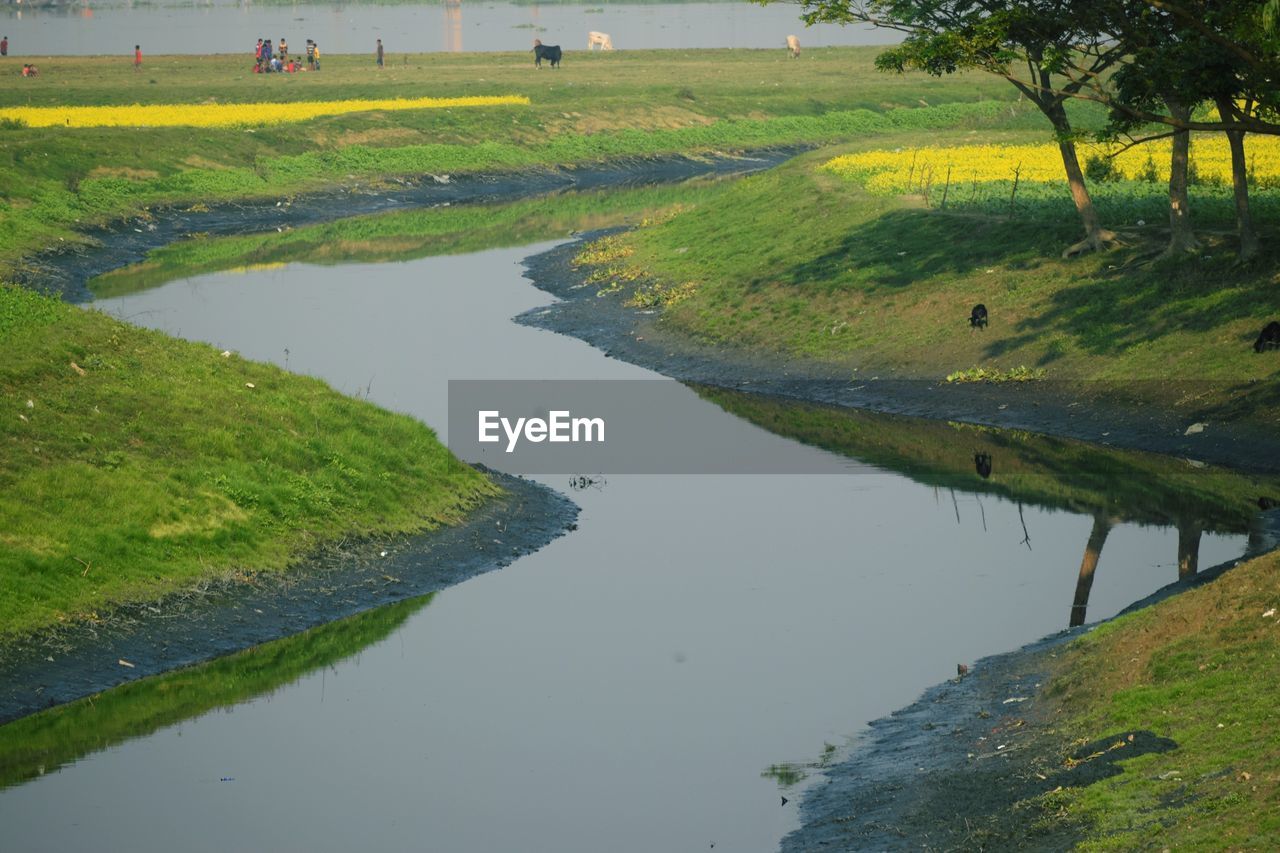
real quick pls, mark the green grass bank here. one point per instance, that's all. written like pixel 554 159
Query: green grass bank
pixel 135 464
pixel 1203 669
pixel 809 265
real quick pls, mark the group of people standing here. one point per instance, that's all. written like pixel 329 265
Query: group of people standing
pixel 270 57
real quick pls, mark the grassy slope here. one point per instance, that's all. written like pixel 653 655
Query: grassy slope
pixel 160 465
pixel 1203 669
pixel 596 106
pixel 802 262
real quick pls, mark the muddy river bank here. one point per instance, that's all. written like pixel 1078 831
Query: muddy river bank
pixel 1110 414
pixel 954 761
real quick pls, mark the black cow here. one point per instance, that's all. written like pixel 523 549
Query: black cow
pixel 978 317
pixel 1269 339
pixel 550 52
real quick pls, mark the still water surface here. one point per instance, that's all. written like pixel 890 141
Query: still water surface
pixel 624 688
pixel 223 27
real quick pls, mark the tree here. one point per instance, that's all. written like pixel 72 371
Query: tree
pixel 1030 43
pixel 1180 53
pixel 1178 58
pixel 1158 72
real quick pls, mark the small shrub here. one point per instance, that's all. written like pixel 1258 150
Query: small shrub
pixel 1149 172
pixel 1101 169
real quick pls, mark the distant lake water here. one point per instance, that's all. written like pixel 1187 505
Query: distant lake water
pixel 228 27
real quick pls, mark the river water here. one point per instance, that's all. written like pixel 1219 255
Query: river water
pixel 623 689
pixel 229 27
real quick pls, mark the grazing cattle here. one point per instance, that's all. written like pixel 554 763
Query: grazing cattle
pixel 594 38
pixel 793 46
pixel 1269 339
pixel 978 317
pixel 982 464
pixel 550 52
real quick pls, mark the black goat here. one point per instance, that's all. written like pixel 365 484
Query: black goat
pixel 1269 339
pixel 978 317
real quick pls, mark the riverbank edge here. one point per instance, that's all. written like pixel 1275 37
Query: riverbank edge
pixel 66 272
pixel 946 770
pixel 1111 414
pixel 223 617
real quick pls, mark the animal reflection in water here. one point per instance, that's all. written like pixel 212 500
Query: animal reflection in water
pixel 982 464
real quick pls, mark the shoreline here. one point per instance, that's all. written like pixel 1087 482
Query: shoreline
pixel 1092 411
pixel 910 777
pixel 43 671
pixel 66 272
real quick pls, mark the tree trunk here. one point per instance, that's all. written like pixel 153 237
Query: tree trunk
pixel 1240 183
pixel 1188 549
pixel 1182 238
pixel 1092 553
pixel 1095 237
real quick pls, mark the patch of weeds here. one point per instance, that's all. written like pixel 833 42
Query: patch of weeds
pixel 786 774
pixel 657 295
pixel 611 278
pixel 1021 373
pixel 603 251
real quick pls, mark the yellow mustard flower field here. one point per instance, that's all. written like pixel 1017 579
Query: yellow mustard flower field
pixel 233 115
pixel 906 169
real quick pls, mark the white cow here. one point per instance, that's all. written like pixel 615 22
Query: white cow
pixel 594 38
pixel 793 46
